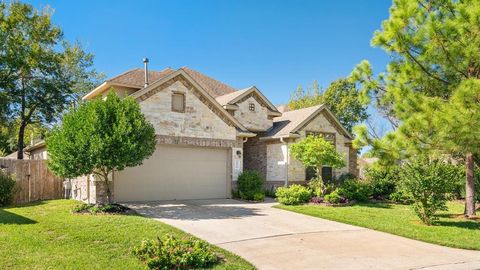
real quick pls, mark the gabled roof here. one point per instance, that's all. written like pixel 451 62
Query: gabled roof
pixel 213 87
pixel 147 92
pixel 135 78
pixel 292 121
pixel 232 98
pixel 225 99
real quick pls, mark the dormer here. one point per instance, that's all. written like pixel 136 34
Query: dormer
pixel 251 108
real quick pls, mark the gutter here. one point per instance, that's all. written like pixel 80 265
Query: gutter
pixel 289 136
pixel 246 134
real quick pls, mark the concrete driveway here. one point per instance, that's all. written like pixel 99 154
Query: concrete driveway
pixel 277 239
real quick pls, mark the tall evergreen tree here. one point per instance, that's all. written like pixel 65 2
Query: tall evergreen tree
pixel 434 47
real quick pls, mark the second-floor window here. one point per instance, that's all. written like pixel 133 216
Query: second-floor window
pixel 251 107
pixel 178 102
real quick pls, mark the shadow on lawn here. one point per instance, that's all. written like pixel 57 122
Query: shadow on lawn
pixel 470 225
pixel 375 205
pixel 7 217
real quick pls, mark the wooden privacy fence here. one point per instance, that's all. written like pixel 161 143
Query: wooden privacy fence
pixel 33 180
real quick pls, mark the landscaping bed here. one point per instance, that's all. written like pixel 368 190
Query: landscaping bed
pixel 451 229
pixel 106 209
pixel 46 235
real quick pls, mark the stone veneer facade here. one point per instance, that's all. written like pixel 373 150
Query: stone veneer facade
pixel 271 156
pixel 198 120
pixel 204 125
pixel 256 120
pixel 89 190
pixel 200 125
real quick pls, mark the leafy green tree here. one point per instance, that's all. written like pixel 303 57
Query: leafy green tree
pixel 341 97
pixel 100 137
pixel 316 152
pixel 40 73
pixel 427 183
pixel 434 48
pixel 304 99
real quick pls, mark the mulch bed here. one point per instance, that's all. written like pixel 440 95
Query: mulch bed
pixel 103 209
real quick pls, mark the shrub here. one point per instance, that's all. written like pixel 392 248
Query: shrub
pixel 249 184
pixel 333 197
pixel 7 185
pixel 400 196
pixel 344 177
pixel 316 200
pixel 355 190
pixel 383 180
pixel 317 186
pixel 293 195
pixel 259 196
pixel 270 192
pixel 169 252
pixel 428 183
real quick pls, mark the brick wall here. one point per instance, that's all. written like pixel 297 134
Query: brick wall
pixel 255 155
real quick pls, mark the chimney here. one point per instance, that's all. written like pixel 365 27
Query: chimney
pixel 145 62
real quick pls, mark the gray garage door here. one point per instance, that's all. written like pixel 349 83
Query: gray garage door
pixel 175 172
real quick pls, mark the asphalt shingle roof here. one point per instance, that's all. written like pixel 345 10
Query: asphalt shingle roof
pixel 225 99
pixel 285 124
pixel 136 78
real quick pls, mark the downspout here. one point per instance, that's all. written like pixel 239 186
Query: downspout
pixel 286 162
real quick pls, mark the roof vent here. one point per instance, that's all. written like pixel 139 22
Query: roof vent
pixel 145 62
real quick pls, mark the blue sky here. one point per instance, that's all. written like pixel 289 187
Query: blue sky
pixel 274 45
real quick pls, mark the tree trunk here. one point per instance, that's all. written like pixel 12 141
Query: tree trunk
pixel 318 171
pixel 470 186
pixel 21 134
pixel 107 189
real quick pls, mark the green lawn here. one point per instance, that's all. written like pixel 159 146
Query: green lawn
pixel 46 235
pixel 451 230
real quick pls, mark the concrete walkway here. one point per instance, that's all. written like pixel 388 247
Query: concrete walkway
pixel 277 239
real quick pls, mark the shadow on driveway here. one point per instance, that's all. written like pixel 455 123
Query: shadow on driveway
pixel 195 209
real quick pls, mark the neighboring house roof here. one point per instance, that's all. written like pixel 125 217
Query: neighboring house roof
pixel 38 145
pixel 12 155
pixel 232 98
pixel 26 150
pixel 290 122
pixel 135 78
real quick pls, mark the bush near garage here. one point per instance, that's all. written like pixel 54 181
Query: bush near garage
pixel 250 186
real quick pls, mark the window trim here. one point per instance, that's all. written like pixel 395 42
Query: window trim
pixel 184 101
pixel 251 107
